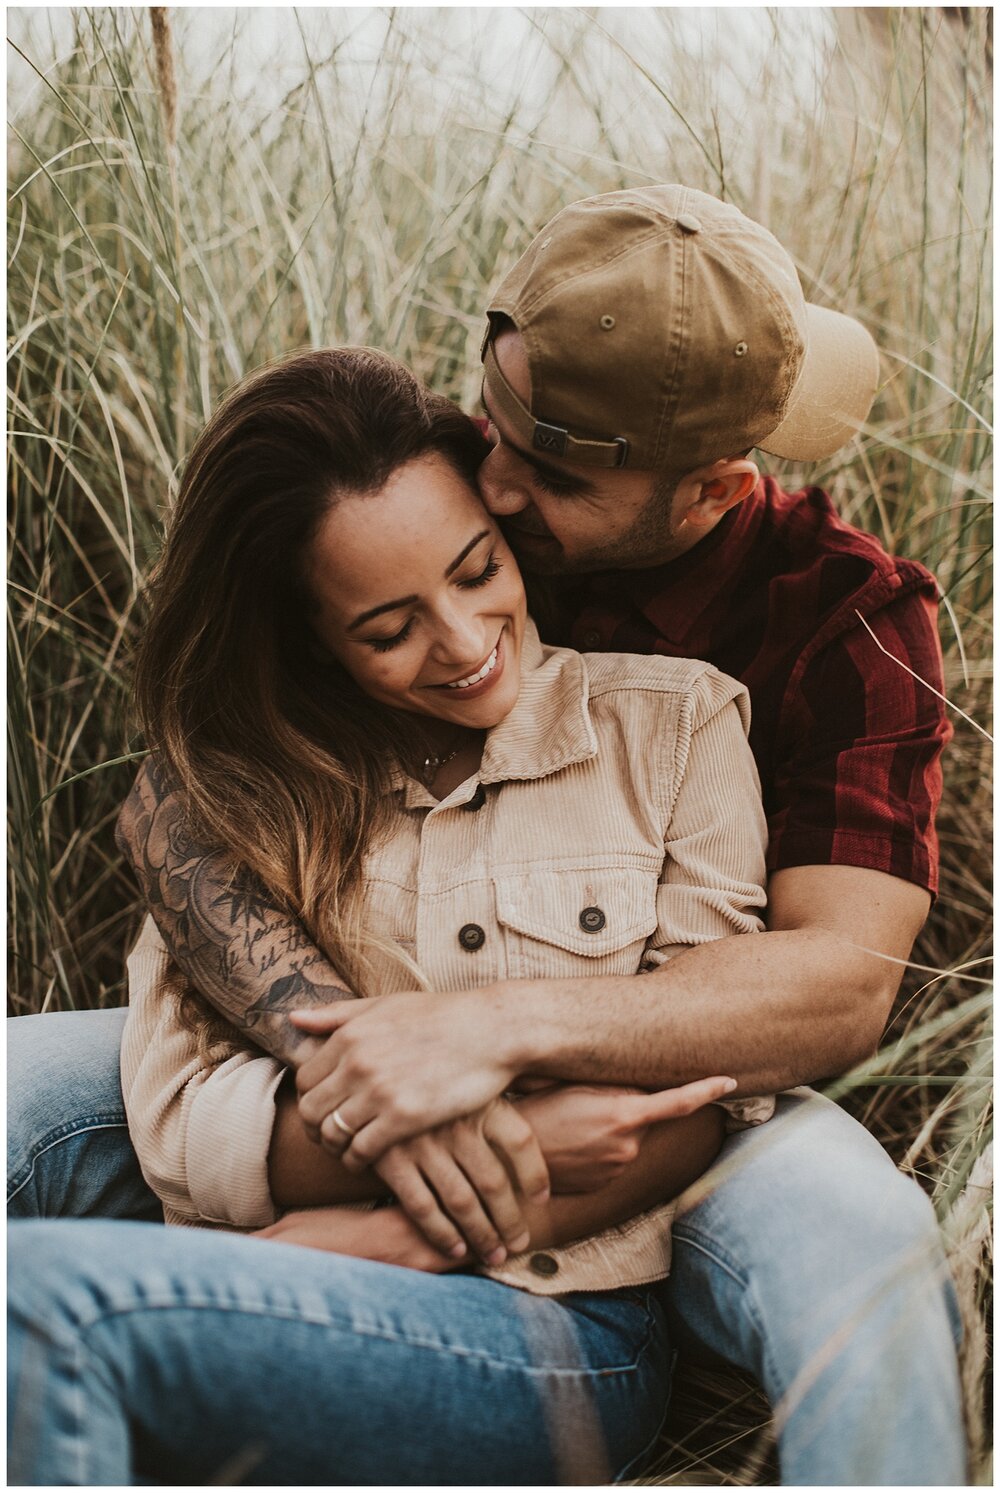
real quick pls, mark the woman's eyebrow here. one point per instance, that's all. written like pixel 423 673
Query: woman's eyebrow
pixel 483 534
pixel 407 601
pixel 385 606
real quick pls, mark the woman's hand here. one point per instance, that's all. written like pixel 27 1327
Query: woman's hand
pixel 456 1188
pixel 454 1191
pixel 589 1134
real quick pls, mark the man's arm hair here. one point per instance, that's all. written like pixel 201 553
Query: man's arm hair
pixel 249 957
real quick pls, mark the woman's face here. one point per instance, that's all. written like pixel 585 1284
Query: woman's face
pixel 419 597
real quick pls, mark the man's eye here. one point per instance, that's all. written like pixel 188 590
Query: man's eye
pixel 549 485
pixel 491 568
pixel 382 645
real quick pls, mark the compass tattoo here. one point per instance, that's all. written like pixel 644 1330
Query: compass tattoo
pixel 249 957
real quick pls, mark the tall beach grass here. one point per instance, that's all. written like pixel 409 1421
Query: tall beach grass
pixel 191 198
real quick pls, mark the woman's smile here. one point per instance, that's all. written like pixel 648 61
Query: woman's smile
pixel 480 680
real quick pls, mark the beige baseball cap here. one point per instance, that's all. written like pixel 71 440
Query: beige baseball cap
pixel 664 329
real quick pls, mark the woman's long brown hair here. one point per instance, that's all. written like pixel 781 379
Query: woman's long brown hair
pixel 283 760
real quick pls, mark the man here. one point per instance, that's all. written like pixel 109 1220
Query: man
pixel 642 346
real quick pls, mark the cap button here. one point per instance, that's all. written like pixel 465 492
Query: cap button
pixel 689 223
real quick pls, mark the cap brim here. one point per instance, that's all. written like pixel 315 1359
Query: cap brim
pixel 835 390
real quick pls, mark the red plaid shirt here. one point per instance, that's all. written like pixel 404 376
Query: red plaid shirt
pixel 847 743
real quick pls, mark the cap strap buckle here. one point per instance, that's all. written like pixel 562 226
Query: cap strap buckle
pixel 542 435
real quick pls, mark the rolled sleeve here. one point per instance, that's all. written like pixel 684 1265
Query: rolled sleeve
pixel 201 1124
pixel 712 883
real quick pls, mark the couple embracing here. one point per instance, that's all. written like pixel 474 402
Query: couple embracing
pixel 439 1032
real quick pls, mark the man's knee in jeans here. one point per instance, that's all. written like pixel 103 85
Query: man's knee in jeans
pixel 807 1258
pixel 68 1149
pixel 807 1217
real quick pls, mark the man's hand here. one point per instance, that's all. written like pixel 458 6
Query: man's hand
pixel 454 1186
pixel 590 1133
pixel 398 1065
pixel 386 1235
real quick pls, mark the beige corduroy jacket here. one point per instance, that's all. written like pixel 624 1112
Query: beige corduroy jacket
pixel 615 821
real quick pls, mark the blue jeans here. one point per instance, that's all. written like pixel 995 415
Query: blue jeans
pixel 808 1260
pixel 192 1357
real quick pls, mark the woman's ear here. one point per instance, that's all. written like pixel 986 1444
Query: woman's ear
pixel 711 491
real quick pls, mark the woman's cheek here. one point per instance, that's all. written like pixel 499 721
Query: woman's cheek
pixel 390 676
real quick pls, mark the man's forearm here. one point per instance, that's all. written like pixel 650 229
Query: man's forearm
pixel 671 1156
pixel 771 1009
pixel 804 1001
pixel 251 960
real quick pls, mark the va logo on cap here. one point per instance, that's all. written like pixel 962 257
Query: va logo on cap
pixel 549 438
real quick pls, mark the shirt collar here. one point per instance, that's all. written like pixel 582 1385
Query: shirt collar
pixel 548 729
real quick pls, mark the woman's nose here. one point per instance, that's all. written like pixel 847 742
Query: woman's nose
pixel 461 639
pixel 501 485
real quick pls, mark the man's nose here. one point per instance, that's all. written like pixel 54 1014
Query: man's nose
pixel 501 486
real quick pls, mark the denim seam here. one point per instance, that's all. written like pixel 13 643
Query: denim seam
pixel 305 1318
pixel 72 1348
pixel 749 1304
pixel 87 1360
pixel 56 1137
pixel 635 1463
pixel 709 1247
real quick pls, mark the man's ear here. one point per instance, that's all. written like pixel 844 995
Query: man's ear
pixel 708 493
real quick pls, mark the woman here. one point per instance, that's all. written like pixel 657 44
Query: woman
pixel 338 662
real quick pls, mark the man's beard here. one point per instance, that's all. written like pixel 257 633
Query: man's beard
pixel 648 541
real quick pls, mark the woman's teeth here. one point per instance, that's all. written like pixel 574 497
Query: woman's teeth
pixel 487 668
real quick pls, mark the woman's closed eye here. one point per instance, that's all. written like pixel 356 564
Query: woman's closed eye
pixel 491 569
pixel 382 645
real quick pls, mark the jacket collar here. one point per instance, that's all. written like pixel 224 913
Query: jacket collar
pixel 548 729
pixel 550 726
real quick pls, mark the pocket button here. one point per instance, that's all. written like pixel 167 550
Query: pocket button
pixel 592 919
pixel 471 937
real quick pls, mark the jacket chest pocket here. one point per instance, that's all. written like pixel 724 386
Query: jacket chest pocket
pixel 576 922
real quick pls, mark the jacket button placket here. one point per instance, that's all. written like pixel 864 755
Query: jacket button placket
pixel 469 952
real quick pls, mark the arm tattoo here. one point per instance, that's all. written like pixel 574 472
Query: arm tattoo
pixel 249 957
